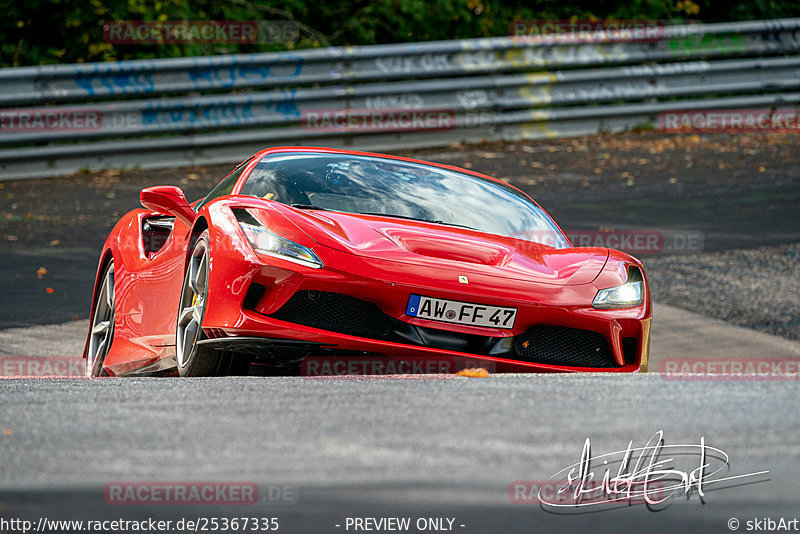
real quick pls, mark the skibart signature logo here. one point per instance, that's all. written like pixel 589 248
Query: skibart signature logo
pixel 651 474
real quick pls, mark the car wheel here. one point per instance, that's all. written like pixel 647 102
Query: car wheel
pixel 102 326
pixel 192 358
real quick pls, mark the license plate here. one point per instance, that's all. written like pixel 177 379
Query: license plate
pixel 453 311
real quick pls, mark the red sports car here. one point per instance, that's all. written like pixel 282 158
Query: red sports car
pixel 320 255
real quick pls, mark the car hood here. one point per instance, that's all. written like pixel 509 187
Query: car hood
pixel 437 246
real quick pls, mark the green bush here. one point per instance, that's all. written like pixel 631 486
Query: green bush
pixel 38 32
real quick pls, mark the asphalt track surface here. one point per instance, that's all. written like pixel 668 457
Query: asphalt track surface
pixel 394 448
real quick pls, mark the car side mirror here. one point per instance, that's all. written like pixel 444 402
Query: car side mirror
pixel 168 200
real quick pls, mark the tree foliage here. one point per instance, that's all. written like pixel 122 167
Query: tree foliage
pixel 38 32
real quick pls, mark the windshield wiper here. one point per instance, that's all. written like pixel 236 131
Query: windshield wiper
pixel 419 219
pixel 308 207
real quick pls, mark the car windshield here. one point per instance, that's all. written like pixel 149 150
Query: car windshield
pixel 391 188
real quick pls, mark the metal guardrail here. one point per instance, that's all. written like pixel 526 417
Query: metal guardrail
pixel 496 88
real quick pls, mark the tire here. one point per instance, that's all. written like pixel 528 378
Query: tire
pixel 192 359
pixel 101 327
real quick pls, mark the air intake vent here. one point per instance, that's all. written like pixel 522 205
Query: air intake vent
pixel 560 345
pixel 336 313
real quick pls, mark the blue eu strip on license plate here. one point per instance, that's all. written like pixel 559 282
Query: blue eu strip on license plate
pixel 457 312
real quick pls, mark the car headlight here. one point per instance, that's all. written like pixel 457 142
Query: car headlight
pixel 270 243
pixel 628 295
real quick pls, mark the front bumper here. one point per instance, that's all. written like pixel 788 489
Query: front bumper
pixel 250 293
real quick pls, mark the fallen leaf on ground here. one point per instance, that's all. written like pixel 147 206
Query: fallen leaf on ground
pixel 474 372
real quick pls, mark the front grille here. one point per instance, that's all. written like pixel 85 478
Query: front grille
pixel 345 314
pixel 560 345
pixel 335 312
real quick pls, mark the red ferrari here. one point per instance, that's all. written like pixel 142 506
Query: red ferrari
pixel 301 254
